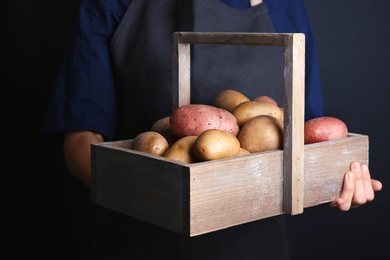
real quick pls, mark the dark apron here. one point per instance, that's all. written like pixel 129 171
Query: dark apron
pixel 142 58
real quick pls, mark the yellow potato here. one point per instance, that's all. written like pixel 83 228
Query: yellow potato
pixel 214 144
pixel 261 133
pixel 243 152
pixel 282 115
pixel 182 150
pixel 229 99
pixel 250 109
pixel 150 142
pixel 162 125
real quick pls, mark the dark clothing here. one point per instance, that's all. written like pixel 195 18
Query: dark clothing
pixel 120 91
pixel 87 66
pixel 264 239
pixel 142 44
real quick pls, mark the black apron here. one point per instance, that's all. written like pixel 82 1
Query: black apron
pixel 142 58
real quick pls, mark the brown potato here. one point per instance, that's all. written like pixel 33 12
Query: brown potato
pixel 282 115
pixel 182 150
pixel 248 110
pixel 215 144
pixel 243 152
pixel 150 142
pixel 261 133
pixel 161 125
pixel 229 99
pixel 324 128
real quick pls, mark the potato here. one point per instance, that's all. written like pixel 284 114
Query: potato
pixel 182 150
pixel 229 99
pixel 282 115
pixel 266 99
pixel 214 144
pixel 194 119
pixel 150 142
pixel 324 128
pixel 261 133
pixel 250 109
pixel 161 125
pixel 243 152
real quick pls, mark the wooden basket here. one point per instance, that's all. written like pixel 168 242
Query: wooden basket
pixel 198 198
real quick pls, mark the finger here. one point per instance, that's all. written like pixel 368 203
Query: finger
pixel 376 185
pixel 363 189
pixel 336 203
pixel 370 194
pixel 344 201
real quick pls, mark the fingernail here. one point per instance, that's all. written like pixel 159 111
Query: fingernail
pixel 355 166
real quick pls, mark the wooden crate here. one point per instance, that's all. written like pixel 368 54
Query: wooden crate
pixel 198 198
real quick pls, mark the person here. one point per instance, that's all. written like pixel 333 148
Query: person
pixel 116 80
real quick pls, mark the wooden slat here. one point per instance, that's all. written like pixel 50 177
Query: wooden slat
pixel 294 100
pixel 181 54
pixel 232 38
pixel 326 164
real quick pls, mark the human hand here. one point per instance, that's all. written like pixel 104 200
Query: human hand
pixel 358 188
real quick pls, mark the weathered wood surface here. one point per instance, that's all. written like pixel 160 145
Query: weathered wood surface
pixel 198 198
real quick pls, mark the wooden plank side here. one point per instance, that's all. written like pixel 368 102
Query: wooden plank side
pixel 294 100
pixel 232 38
pixel 194 199
pixel 325 166
pixel 181 73
pixel 142 187
pixel 233 191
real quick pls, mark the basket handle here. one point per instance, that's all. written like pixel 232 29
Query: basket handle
pixel 294 93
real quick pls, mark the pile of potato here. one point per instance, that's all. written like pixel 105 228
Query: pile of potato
pixel 234 126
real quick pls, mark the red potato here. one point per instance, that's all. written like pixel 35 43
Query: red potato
pixel 194 119
pixel 266 99
pixel 325 128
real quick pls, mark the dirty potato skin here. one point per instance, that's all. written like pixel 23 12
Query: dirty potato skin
pixel 324 128
pixel 150 142
pixel 194 119
pixel 229 99
pixel 248 110
pixel 182 150
pixel 214 144
pixel 261 133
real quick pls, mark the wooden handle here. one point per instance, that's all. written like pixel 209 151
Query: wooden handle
pixel 294 73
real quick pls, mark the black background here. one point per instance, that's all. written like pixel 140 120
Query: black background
pixel 352 38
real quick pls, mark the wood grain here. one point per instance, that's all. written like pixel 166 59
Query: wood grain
pixel 193 199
